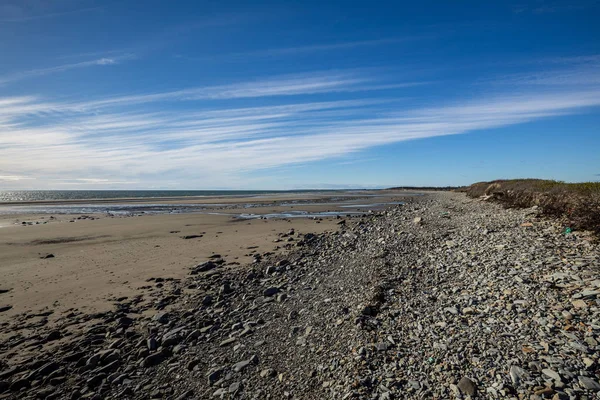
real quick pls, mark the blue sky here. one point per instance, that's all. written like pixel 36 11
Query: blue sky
pixel 296 94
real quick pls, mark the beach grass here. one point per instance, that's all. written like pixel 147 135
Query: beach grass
pixel 577 204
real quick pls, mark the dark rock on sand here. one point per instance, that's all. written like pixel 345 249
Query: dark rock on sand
pixel 191 236
pixel 205 266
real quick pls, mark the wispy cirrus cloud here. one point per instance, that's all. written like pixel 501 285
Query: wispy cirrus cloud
pixel 287 85
pixel 549 7
pixel 120 140
pixel 558 71
pixel 15 13
pixel 298 50
pixel 21 75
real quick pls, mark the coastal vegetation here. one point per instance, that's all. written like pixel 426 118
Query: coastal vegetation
pixel 576 204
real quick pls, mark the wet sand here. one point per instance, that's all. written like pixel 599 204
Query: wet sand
pixel 101 257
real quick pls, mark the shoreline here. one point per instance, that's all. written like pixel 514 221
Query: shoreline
pixel 96 255
pixel 202 199
pixel 443 297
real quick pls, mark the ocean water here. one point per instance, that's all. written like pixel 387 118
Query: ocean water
pixel 7 196
pixel 82 202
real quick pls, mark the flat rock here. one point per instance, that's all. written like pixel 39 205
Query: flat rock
pixel 153 359
pixel 241 365
pixel 162 317
pixel 467 386
pixel 227 342
pixel 589 383
pixel 552 374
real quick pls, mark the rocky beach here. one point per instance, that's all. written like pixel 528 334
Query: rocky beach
pixel 443 297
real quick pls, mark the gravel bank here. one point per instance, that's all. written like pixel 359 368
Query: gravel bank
pixel 444 297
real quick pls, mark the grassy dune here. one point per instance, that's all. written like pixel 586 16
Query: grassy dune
pixel 578 204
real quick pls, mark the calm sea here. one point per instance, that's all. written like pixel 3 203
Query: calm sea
pixel 52 195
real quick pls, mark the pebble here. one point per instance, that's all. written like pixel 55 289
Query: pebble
pixel 467 386
pixel 552 374
pixel 589 383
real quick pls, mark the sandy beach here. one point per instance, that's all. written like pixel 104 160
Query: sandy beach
pixel 477 298
pixel 97 258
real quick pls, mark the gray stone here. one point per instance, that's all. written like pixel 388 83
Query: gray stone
pixel 162 317
pixel 467 386
pixel 227 342
pixel 266 373
pixel 381 346
pixel 517 374
pixel 589 383
pixel 552 374
pixel 235 387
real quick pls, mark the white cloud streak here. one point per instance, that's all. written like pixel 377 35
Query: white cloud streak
pixel 131 140
pixel 582 70
pixel 32 73
pixel 298 50
pixel 18 14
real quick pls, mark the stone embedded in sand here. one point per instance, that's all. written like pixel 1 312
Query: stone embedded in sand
pixel 46 256
pixel 5 307
pixel 53 335
pixel 191 236
pixel 205 266
pixel 2 291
